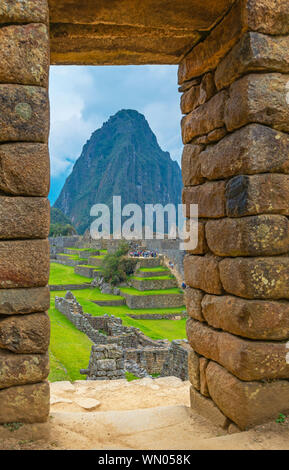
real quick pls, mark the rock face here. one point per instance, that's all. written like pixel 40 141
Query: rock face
pixel 124 149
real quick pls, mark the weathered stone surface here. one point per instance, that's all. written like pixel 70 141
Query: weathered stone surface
pixel 254 319
pixel 250 195
pixel 202 246
pixel 248 360
pixel 24 113
pixel 259 98
pixel 254 278
pixel 205 118
pixel 191 165
pixel 22 301
pixel 210 198
pixel 249 150
pixel 155 13
pixel 198 94
pixel 24 217
pixel 24 263
pixel 203 381
pixel 206 55
pixel 189 84
pixel 22 369
pixel 24 169
pixel 247 403
pixel 25 404
pixel 24 52
pixel 269 17
pixel 19 11
pixel 216 135
pixel 248 236
pixel 254 52
pixel 202 272
pixel 193 301
pixel 206 408
pixel 194 369
pixel 110 44
pixel 25 334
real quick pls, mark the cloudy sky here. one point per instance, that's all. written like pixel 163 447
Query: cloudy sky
pixel 82 98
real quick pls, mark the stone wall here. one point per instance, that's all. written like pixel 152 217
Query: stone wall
pixel 153 301
pixel 235 166
pixel 142 355
pixel 153 284
pixel 176 363
pixel 171 250
pixel 24 211
pixel 106 362
pixel 58 244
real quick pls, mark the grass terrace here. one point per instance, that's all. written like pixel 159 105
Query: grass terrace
pixel 154 270
pixel 61 274
pixel 133 291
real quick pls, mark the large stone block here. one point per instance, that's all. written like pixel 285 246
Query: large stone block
pixel 22 369
pixel 24 52
pixel 203 380
pixel 253 278
pixel 27 11
pixel 259 235
pixel 25 334
pixel 206 55
pixel 254 319
pixel 253 149
pixel 191 165
pixel 25 404
pixel 24 113
pixel 202 272
pixel 259 98
pixel 194 369
pixel 247 403
pixel 206 408
pixel 22 301
pixel 257 194
pixel 24 217
pixel 24 169
pixel 202 246
pixel 198 94
pixel 269 17
pixel 254 52
pixel 205 118
pixel 24 263
pixel 210 198
pixel 193 300
pixel 248 360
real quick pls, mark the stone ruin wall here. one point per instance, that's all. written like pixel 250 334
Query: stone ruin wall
pixel 106 362
pixel 154 356
pixel 235 166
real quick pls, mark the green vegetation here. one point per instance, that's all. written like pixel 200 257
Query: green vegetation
pixel 69 348
pixel 60 224
pixel 61 274
pixel 156 269
pixel 161 278
pixel 116 267
pixel 133 291
pixel 129 377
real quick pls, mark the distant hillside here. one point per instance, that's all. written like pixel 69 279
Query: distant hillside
pixel 60 224
pixel 122 158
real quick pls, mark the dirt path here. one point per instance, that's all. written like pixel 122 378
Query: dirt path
pixel 143 414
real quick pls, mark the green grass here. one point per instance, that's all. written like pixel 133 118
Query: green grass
pixel 153 270
pixel 98 257
pixel 61 274
pixel 155 329
pixel 161 278
pixel 132 291
pixel 69 348
pixel 84 249
pixel 96 268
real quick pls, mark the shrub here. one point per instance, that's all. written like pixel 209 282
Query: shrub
pixel 116 267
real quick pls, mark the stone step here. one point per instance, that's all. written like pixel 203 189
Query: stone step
pixel 95 260
pixel 148 262
pixel 152 273
pixel 85 271
pixel 153 284
pixel 135 301
pixel 68 261
pixel 82 253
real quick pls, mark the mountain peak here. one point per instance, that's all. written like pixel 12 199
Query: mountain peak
pixel 122 158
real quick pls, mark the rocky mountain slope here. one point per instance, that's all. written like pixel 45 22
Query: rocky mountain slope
pixel 122 158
